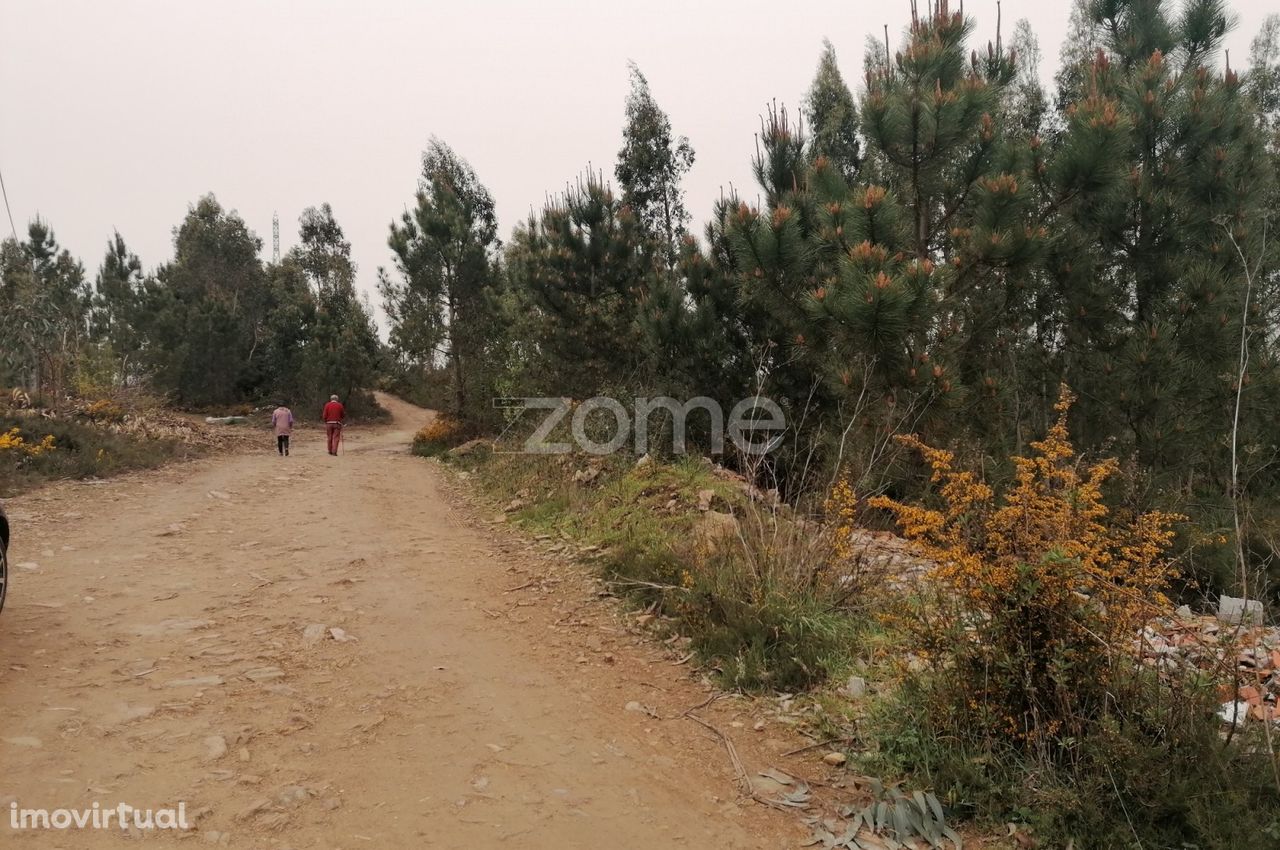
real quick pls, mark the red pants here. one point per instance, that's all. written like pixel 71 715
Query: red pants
pixel 334 431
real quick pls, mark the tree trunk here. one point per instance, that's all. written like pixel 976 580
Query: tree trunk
pixel 459 389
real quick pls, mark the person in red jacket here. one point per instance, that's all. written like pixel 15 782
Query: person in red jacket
pixel 333 416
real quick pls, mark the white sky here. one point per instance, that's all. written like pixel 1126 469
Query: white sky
pixel 120 114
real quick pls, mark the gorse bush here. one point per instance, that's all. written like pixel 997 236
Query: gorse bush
pixel 1028 624
pixel 104 410
pixel 14 444
pixel 1034 593
pixel 439 435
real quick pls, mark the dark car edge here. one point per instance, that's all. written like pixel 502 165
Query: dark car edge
pixel 4 556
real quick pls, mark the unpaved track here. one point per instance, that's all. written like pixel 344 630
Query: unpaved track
pixel 447 722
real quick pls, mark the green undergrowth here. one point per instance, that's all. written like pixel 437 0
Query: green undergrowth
pixel 726 578
pixel 1156 773
pixel 77 449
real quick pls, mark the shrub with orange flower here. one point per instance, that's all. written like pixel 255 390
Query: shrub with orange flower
pixel 1036 593
pixel 841 510
pixel 439 435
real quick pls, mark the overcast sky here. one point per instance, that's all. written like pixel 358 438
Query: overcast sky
pixel 120 114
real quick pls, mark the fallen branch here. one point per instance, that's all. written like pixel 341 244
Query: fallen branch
pixel 816 745
pixel 631 582
pixel 743 778
pixel 706 702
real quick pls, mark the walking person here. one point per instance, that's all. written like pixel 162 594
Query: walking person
pixel 282 424
pixel 334 415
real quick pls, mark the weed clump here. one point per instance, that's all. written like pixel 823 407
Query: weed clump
pixel 770 605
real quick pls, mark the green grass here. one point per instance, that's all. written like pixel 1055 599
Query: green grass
pixel 754 629
pixel 1130 783
pixel 429 448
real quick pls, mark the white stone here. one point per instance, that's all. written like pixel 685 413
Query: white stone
pixel 1234 611
pixel 314 633
pixel 856 687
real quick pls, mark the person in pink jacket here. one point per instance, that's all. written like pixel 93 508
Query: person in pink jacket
pixel 282 424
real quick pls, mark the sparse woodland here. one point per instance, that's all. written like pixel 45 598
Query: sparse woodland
pixel 213 327
pixel 933 249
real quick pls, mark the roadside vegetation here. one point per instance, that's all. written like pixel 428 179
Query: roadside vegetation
pixel 973 570
pixel 1006 678
pixel 83 439
pixel 751 588
pixel 932 249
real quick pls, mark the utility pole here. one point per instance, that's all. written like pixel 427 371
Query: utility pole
pixel 275 237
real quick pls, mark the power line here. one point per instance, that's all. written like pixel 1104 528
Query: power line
pixel 5 192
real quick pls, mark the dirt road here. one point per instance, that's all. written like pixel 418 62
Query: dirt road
pixel 171 639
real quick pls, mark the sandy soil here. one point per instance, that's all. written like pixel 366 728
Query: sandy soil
pixel 156 650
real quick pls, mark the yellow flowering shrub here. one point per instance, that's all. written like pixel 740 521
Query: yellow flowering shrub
pixel 439 435
pixel 104 410
pixel 442 429
pixel 842 514
pixel 1036 591
pixel 12 442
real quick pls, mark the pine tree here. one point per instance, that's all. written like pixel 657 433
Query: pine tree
pixel 781 258
pixel 962 181
pixel 441 308
pixel 323 250
pixel 697 331
pixel 585 266
pixel 205 313
pixel 913 279
pixel 292 368
pixel 116 305
pixel 44 305
pixel 930 117
pixel 1158 185
pixel 342 343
